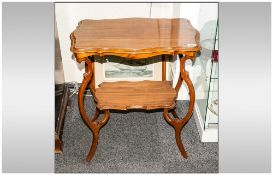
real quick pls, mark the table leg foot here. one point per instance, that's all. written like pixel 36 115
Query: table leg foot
pixel 93 146
pixel 179 142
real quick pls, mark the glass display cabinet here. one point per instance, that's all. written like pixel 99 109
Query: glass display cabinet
pixel 206 83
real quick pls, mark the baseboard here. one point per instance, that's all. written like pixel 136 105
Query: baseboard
pixel 198 121
pixel 206 135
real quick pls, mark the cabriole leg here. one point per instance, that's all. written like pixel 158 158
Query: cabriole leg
pixel 178 140
pixel 93 124
pixel 176 122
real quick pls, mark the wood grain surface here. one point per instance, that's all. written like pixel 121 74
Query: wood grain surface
pixel 134 37
pixel 125 95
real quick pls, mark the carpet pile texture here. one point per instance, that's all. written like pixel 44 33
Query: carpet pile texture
pixel 134 142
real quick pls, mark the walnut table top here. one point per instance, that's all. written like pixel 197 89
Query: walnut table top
pixel 134 37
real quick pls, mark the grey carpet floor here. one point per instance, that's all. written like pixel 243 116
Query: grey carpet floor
pixel 135 142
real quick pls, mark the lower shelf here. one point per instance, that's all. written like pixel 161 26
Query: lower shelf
pixel 125 95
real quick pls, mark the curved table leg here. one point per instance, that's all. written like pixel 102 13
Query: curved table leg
pixel 93 148
pixel 93 124
pixel 177 123
pixel 179 142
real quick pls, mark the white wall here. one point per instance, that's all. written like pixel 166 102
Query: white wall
pixel 208 12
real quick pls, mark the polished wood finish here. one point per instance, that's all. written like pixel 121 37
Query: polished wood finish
pixel 93 124
pixel 92 85
pixel 95 128
pixel 163 68
pixel 135 95
pixel 135 38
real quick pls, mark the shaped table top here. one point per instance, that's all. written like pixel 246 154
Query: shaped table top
pixel 134 37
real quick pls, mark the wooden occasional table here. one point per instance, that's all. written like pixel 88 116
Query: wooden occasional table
pixel 135 38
